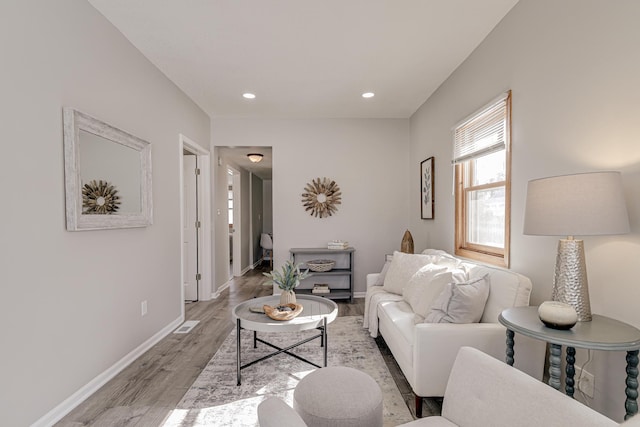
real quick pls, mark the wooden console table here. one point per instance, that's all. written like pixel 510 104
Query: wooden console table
pixel 602 333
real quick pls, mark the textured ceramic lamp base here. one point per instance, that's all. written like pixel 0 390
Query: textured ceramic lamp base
pixel 570 284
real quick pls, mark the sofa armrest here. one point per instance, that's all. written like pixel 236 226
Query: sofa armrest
pixel 372 278
pixel 437 344
pixel 483 391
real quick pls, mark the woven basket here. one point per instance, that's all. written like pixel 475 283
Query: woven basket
pixel 319 265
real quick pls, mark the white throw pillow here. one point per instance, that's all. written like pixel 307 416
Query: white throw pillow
pixel 423 287
pixel 460 302
pixel 402 267
pixel 383 274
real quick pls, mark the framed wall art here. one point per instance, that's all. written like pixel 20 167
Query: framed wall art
pixel 426 188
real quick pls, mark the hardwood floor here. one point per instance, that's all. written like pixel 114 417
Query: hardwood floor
pixel 146 391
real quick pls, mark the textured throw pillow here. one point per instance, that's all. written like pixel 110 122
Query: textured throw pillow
pixel 460 302
pixel 422 288
pixel 402 267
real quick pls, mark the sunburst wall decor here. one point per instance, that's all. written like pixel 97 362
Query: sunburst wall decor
pixel 320 197
pixel 99 197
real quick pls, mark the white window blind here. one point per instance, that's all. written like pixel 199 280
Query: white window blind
pixel 483 132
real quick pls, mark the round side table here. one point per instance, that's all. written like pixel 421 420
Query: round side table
pixel 601 333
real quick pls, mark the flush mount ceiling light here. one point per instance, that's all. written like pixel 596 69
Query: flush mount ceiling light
pixel 254 157
pixel 368 95
pixel 249 95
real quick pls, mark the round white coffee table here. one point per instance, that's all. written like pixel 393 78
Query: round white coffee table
pixel 317 313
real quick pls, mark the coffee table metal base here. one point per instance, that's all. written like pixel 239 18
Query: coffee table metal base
pixel 323 343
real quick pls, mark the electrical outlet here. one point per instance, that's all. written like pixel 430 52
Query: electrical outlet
pixel 587 383
pixel 143 308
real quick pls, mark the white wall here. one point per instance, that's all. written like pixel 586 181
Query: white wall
pixel 70 301
pixel 575 79
pixel 366 158
pixel 267 206
pixel 220 221
pixel 256 217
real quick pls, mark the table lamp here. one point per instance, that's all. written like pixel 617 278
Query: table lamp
pixel 583 204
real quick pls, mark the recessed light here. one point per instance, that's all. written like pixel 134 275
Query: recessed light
pixel 368 95
pixel 249 95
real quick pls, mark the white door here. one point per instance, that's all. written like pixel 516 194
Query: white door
pixel 190 229
pixel 237 224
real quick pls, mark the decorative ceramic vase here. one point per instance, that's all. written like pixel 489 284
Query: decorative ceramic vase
pixel 406 245
pixel 557 315
pixel 287 297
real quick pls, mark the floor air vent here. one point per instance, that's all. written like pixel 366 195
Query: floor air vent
pixel 186 327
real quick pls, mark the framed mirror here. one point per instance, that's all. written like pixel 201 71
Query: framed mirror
pixel 107 175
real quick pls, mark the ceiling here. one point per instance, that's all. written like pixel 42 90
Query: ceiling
pixel 306 58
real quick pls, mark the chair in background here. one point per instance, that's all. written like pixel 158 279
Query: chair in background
pixel 267 248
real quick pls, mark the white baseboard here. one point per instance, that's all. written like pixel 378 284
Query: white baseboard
pixel 218 291
pixel 359 294
pixel 57 413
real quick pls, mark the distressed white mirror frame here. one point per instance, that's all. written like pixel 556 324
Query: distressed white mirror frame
pixel 76 121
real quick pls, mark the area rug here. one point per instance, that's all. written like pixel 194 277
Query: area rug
pixel 214 399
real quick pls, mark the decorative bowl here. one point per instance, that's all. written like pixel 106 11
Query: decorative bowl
pixel 320 265
pixel 283 312
pixel 557 315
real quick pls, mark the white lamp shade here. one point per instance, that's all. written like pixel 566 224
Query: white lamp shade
pixel 576 205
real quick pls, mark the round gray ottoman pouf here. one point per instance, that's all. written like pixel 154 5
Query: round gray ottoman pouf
pixel 338 397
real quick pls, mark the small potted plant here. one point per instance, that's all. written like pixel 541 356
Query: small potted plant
pixel 287 281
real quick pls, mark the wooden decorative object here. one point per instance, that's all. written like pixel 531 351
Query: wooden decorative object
pixel 406 245
pixel 99 197
pixel 321 197
pixel 276 314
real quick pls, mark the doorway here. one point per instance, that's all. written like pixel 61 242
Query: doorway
pixel 190 228
pixel 234 201
pixel 195 222
pixel 240 186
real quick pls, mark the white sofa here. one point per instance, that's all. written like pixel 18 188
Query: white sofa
pixel 482 392
pixel 425 352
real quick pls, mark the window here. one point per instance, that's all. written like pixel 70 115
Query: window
pixel 482 159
